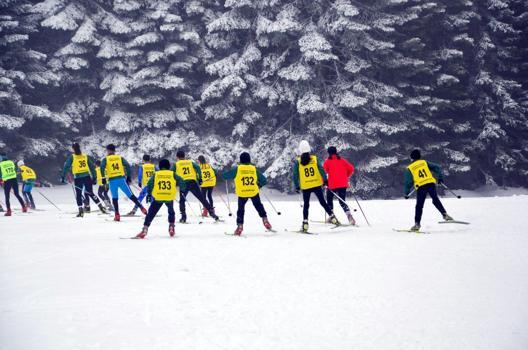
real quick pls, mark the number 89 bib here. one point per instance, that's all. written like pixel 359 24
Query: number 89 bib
pixel 309 174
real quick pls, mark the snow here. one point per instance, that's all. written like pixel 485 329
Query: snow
pixel 70 283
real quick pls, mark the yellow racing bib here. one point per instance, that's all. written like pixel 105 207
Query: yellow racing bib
pixel 99 176
pixel 27 173
pixel 114 166
pixel 421 173
pixel 164 186
pixel 80 164
pixel 148 170
pixel 208 176
pixel 185 170
pixel 246 181
pixel 309 175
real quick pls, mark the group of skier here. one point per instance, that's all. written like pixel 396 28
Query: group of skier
pixel 158 184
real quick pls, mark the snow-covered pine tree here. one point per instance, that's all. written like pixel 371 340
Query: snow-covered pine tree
pixel 27 126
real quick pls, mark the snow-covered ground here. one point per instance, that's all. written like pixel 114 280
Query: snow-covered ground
pixel 68 283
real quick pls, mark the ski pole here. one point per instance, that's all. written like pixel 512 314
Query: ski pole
pixel 410 193
pixel 453 193
pixel 362 212
pixel 228 202
pixel 46 198
pixel 340 199
pixel 276 211
pixel 225 203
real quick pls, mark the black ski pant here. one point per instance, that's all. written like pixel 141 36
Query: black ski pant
pixel 318 191
pixel 192 186
pixel 421 194
pixel 84 183
pixel 155 207
pixel 8 185
pixel 341 192
pixel 207 193
pixel 102 193
pixel 257 203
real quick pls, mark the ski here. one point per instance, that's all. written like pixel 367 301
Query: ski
pixel 409 231
pixel 301 232
pixel 454 222
pixel 233 235
pixel 343 225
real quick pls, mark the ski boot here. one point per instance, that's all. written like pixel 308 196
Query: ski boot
pixel 87 209
pixel 108 205
pixel 333 220
pixel 143 210
pixel 239 230
pixel 204 212
pixel 350 218
pixel 304 227
pixel 143 233
pixel 266 223
pixel 132 212
pixel 214 216
pixel 117 217
pixel 415 228
pixel 24 209
pixel 1 209
pixel 102 208
pixel 171 230
pixel 8 212
pixel 81 213
pixel 447 217
pixel 183 219
pixel 32 206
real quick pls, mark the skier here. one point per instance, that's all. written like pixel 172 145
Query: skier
pixel 309 177
pixel 28 181
pixel 191 173
pixel 248 181
pixel 423 175
pixel 208 182
pixel 339 170
pixel 162 187
pixel 102 189
pixel 84 177
pixel 117 170
pixel 145 172
pixel 8 174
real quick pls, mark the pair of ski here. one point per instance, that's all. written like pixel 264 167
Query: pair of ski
pixel 244 236
pixel 426 232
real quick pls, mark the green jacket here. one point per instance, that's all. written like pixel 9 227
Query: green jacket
pixel 179 182
pixel 126 165
pixel 409 181
pixel 295 173
pixel 231 174
pixel 196 167
pixel 68 165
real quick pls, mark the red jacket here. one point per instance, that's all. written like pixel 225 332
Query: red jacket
pixel 338 170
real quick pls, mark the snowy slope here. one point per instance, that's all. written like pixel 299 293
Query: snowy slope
pixel 69 283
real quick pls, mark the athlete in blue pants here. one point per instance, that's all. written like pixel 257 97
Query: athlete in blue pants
pixel 117 170
pixel 145 172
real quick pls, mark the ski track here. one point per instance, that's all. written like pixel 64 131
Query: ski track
pixel 68 283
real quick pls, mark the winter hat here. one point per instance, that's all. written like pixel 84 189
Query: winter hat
pixel 415 155
pixel 245 158
pixel 332 150
pixel 20 163
pixel 76 148
pixel 304 147
pixel 180 154
pixel 146 158
pixel 111 147
pixel 201 159
pixel 164 164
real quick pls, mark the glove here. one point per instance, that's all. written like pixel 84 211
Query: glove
pixel 139 184
pixel 128 180
pixel 440 181
pixel 62 180
pixel 149 198
pixel 325 183
pixel 104 182
pixel 297 189
pixel 94 181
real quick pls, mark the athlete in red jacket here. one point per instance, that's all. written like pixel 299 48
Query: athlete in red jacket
pixel 339 171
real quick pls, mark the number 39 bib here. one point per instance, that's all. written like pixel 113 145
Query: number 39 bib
pixel 246 181
pixel 164 186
